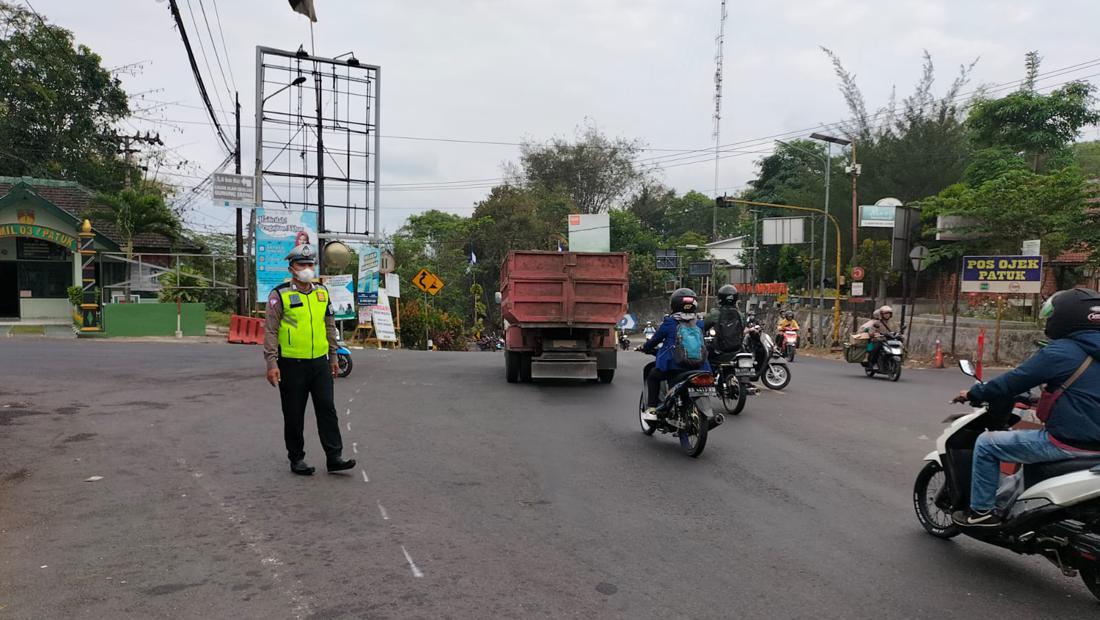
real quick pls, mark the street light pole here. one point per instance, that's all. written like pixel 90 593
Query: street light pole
pixel 824 236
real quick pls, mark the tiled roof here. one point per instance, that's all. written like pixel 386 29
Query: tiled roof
pixel 78 201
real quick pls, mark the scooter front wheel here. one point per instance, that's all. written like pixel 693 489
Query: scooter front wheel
pixel 935 520
pixel 344 362
pixel 776 376
pixel 647 427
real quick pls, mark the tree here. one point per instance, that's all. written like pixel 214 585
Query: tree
pixel 135 211
pixel 57 105
pixel 1087 157
pixel 595 172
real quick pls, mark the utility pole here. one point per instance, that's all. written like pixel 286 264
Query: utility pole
pixel 320 168
pixel 242 304
pixel 825 235
pixel 854 170
pixel 718 56
pixel 127 147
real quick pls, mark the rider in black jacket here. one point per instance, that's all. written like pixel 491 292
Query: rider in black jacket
pixel 729 327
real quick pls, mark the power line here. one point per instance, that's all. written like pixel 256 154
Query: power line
pixel 213 45
pixel 221 34
pixel 174 8
pixel 205 58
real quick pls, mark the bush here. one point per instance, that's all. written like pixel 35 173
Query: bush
pixel 446 332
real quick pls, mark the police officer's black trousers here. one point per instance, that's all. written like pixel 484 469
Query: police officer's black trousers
pixel 301 379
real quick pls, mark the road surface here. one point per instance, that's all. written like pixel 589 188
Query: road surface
pixel 474 498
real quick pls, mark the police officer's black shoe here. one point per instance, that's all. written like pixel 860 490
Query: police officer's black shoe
pixel 339 464
pixel 299 467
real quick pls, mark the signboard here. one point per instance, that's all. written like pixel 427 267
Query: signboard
pixel 364 315
pixel 393 285
pixel 233 191
pixel 370 261
pixel 700 268
pixel 1002 274
pixel 590 232
pixel 858 273
pixel 857 290
pixel 876 216
pixel 383 320
pixel 366 299
pixel 341 296
pixel 278 230
pixel 918 256
pixel 765 288
pixel 783 230
pixel 906 230
pixel 38 232
pixel 628 322
pixel 387 263
pixel 428 282
pixel 667 260
pixel 1031 247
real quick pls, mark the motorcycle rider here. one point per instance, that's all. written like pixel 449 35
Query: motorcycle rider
pixel 683 306
pixel 1073 427
pixel 729 327
pixel 649 330
pixel 787 322
pixel 879 330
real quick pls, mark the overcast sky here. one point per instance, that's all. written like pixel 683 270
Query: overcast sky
pixel 505 70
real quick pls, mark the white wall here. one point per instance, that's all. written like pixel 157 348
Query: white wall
pixel 44 309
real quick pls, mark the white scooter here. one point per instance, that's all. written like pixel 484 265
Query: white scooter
pixel 1051 509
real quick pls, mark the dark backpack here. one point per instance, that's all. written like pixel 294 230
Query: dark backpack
pixel 730 331
pixel 689 351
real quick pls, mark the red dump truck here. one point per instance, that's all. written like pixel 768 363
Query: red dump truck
pixel 560 310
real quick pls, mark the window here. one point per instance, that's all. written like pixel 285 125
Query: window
pixel 45 279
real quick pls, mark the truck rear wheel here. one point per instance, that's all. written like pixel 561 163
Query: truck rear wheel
pixel 511 366
pixel 606 375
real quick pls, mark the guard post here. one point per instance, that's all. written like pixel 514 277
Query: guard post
pixel 89 304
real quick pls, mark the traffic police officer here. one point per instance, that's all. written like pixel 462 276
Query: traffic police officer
pixel 300 350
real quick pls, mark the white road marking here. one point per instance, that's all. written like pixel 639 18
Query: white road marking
pixel 348 412
pixel 415 571
pixel 382 509
pixel 357 389
pixel 364 472
pixel 349 426
pixel 355 447
pixel 352 399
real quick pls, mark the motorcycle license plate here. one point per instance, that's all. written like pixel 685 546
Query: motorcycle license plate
pixel 701 391
pixel 744 372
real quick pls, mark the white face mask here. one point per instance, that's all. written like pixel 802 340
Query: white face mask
pixel 305 275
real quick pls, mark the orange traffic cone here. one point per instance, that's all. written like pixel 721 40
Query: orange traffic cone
pixel 938 361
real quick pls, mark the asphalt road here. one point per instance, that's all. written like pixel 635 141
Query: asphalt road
pixel 475 498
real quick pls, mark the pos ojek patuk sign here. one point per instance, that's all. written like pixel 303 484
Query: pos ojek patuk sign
pixel 1002 274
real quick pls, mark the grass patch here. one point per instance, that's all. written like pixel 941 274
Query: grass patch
pixel 28 330
pixel 220 319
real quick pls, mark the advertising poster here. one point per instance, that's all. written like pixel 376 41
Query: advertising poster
pixel 277 232
pixel 383 320
pixel 370 260
pixel 393 285
pixel 341 296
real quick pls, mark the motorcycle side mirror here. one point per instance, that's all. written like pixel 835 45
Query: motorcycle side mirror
pixel 967 368
pixel 497 297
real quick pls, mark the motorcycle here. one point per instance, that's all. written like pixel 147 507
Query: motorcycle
pixel 624 341
pixel 490 342
pixel 685 409
pixel 1049 509
pixel 890 357
pixel 770 369
pixel 788 344
pixel 733 376
pixel 343 358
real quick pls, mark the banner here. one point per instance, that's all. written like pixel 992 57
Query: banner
pixel 277 232
pixel 383 320
pixel 341 296
pixel 370 260
pixel 393 285
pixel 765 288
pixel 1002 274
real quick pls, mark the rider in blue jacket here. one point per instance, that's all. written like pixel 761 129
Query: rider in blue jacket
pixel 684 307
pixel 1073 428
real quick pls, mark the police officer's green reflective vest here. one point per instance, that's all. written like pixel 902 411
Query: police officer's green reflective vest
pixel 302 333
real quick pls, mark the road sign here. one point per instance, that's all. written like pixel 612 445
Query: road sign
pixel 858 273
pixel 233 190
pixel 427 282
pixel 667 260
pixel 857 289
pixel 1002 274
pixel 919 257
pixel 700 268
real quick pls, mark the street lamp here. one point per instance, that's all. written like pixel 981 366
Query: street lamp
pixel 298 81
pixel 829 142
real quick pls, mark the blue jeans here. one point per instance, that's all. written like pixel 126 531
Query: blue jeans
pixel 996 447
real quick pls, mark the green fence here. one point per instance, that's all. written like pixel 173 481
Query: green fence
pixel 153 319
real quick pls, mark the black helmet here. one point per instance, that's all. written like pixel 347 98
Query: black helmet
pixel 1071 310
pixel 789 314
pixel 727 295
pixel 683 300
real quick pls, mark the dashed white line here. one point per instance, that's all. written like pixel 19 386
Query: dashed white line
pixel 349 426
pixel 352 399
pixel 415 571
pixel 382 509
pixel 357 389
pixel 348 412
pixel 364 472
pixel 355 447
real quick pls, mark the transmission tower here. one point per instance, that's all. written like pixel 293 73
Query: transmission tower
pixel 718 54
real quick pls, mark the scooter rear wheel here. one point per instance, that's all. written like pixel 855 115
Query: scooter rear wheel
pixel 344 362
pixel 693 438
pixel 647 427
pixel 734 395
pixel 933 519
